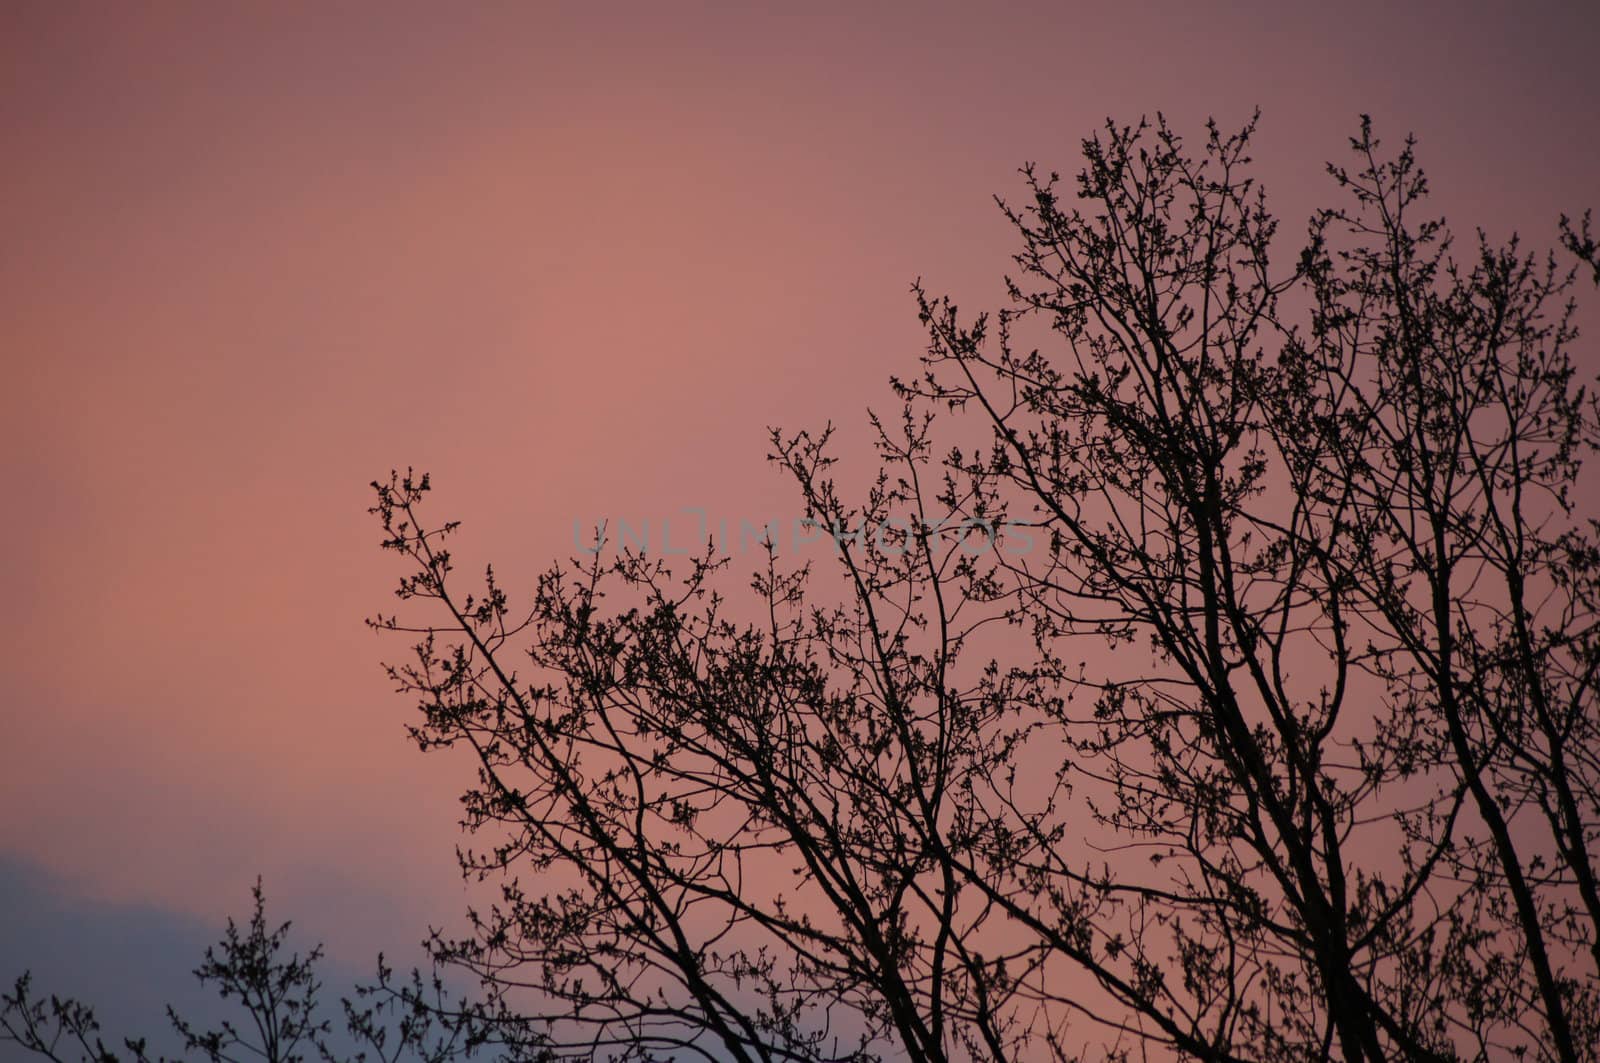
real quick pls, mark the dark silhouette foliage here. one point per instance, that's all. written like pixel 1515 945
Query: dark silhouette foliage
pixel 277 995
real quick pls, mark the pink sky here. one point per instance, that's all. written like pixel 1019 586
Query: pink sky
pixel 572 261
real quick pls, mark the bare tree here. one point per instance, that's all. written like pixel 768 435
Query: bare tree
pixel 277 994
pixel 1338 506
pixel 1280 745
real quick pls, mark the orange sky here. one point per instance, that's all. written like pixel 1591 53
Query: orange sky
pixel 572 261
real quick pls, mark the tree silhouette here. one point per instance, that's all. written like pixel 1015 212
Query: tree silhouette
pixel 1209 671
pixel 1281 745
pixel 1338 508
pixel 278 994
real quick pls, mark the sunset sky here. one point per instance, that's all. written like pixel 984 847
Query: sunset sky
pixel 573 260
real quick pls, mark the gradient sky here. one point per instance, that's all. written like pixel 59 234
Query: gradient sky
pixel 571 259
